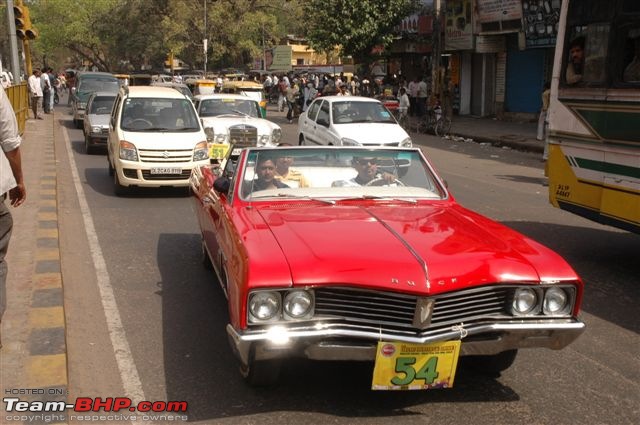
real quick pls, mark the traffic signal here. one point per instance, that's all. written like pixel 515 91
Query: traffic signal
pixel 24 29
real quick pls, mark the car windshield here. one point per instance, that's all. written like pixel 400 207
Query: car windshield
pixel 159 114
pixel 215 107
pixel 95 84
pixel 335 174
pixel 102 105
pixel 347 112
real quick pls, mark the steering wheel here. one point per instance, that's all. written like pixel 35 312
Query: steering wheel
pixel 381 181
pixel 141 123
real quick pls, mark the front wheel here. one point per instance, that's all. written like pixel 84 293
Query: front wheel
pixel 118 189
pixel 261 373
pixel 443 126
pixel 301 140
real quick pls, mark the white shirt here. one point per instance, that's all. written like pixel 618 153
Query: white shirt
pixel 9 140
pixel 34 86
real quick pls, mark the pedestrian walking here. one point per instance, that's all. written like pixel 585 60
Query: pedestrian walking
pixel 542 119
pixel 35 92
pixel 11 183
pixel 45 84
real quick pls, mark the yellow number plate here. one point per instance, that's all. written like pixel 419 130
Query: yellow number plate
pixel 401 366
pixel 218 150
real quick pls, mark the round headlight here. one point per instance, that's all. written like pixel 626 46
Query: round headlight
pixel 524 301
pixel 297 304
pixel 96 129
pixel 264 305
pixel 406 143
pixel 276 136
pixel 555 301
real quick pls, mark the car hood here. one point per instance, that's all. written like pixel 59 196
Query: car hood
pixel 98 119
pixel 372 133
pixel 415 249
pixel 263 126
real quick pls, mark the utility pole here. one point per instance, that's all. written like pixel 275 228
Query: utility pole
pixel 436 84
pixel 204 41
pixel 264 51
pixel 13 42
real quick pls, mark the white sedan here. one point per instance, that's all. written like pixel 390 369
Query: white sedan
pixel 350 121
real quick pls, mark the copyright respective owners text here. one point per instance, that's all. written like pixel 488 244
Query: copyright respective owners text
pixel 40 406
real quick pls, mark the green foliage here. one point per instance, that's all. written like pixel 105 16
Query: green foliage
pixel 118 34
pixel 354 26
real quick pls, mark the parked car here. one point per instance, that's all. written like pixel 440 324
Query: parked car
pixel 234 120
pixel 360 264
pixel 96 120
pixel 85 84
pixel 350 121
pixel 155 139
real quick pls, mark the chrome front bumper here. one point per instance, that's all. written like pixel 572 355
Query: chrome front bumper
pixel 343 342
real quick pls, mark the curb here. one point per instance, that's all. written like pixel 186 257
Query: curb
pixel 36 356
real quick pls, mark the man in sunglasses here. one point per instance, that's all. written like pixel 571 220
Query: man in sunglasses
pixel 368 175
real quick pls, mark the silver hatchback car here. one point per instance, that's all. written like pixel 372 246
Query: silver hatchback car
pixel 96 120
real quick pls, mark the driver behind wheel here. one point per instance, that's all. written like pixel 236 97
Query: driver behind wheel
pixel 368 175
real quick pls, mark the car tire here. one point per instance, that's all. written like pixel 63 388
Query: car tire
pixel 87 146
pixel 261 373
pixel 111 169
pixel 494 364
pixel 77 123
pixel 118 189
pixel 301 140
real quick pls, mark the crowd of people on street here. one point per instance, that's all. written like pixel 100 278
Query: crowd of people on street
pixel 296 92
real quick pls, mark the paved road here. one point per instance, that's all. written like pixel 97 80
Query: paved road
pixel 141 261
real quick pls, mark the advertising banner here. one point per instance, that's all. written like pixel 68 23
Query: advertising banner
pixel 498 10
pixel 281 58
pixel 541 22
pixel 458 32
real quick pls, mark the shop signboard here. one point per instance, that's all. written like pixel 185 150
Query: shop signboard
pixel 541 22
pixel 458 33
pixel 498 10
pixel 282 56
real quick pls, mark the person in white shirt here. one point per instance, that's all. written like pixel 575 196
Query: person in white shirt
pixel 45 84
pixel 35 92
pixel 11 184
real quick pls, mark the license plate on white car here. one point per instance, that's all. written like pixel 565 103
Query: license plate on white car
pixel 166 170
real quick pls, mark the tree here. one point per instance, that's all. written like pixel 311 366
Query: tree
pixel 354 27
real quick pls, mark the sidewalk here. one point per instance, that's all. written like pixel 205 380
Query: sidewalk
pixel 33 357
pixel 516 135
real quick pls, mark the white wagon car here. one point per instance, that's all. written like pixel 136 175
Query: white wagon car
pixel 155 138
pixel 350 121
pixel 234 120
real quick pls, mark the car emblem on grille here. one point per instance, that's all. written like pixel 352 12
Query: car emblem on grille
pixel 165 154
pixel 424 311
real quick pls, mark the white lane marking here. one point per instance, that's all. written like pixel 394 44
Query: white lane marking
pixel 124 358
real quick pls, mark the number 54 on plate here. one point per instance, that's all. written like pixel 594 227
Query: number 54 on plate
pixel 402 366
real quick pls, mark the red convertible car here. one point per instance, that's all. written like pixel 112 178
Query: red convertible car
pixel 340 253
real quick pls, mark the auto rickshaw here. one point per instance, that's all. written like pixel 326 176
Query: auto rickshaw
pixel 251 89
pixel 201 86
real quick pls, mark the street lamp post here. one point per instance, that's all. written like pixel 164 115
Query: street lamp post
pixel 204 41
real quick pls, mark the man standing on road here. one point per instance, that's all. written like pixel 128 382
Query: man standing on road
pixel 35 92
pixel 11 183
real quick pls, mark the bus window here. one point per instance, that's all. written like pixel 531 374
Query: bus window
pixel 587 57
pixel 631 73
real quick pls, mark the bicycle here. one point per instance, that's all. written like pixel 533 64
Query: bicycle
pixel 403 119
pixel 434 121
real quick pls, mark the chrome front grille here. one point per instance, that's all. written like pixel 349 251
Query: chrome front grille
pixel 243 136
pixel 165 155
pixel 395 312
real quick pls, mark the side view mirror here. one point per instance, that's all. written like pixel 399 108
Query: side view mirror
pixel 221 185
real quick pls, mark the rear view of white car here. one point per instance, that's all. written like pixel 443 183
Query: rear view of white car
pixel 350 121
pixel 155 139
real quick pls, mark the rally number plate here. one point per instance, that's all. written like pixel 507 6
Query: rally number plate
pixel 401 366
